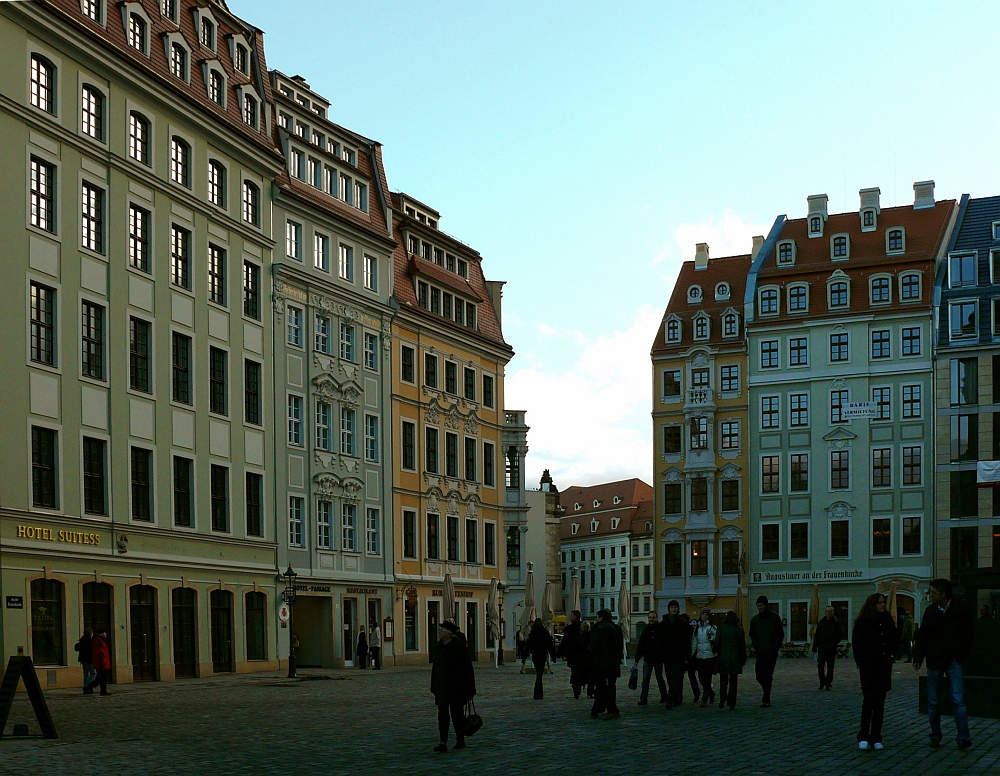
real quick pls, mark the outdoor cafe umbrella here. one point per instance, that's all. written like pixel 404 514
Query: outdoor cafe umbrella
pixel 449 599
pixel 624 612
pixel 493 612
pixel 574 593
pixel 529 613
pixel 890 601
pixel 814 617
pixel 547 614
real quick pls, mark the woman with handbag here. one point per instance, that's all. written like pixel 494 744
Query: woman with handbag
pixel 731 648
pixel 874 642
pixel 453 683
pixel 702 641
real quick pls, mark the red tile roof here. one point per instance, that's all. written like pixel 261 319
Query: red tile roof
pixel 631 494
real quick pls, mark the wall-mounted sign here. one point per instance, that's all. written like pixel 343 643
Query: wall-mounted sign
pixel 313 588
pixel 858 409
pixel 51 535
pixel 15 602
pixel 284 612
pixel 362 591
pixel 458 593
pixel 823 575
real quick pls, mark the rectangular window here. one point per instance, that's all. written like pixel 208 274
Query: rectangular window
pixel 371 351
pixel 729 433
pixel 911 401
pixel 489 464
pixel 730 496
pixel 180 257
pixel 769 354
pixel 911 341
pixel 964 374
pixel 138 238
pixel 770 469
pixel 964 437
pixel 840 469
pixel 431 450
pixel 798 535
pixel 962 270
pixel 799 481
pixel 142 484
pixel 181 368
pixel 219 476
pixel 699 433
pixel 43 323
pixel 770 541
pixel 882 536
pixel 672 499
pixel 346 264
pixel 838 400
pixel 451 454
pixel 433 537
pixel 770 409
pixel 798 351
pixel 471 473
pixel 407 364
pixel 671 439
pixel 963 316
pixel 469 383
pixel 489 544
pixel 183 492
pixel 730 377
pixel 95 489
pixel 43 468
pixel 371 273
pixel 324 425
pixel 295 420
pixel 450 378
pixel 42 87
pixel 216 172
pixel 487 391
pixel 373 531
pixel 911 536
pixel 216 274
pixel 880 344
pixel 912 470
pixel 430 370
pixel 324 525
pixel 180 152
pixel 92 217
pixel 409 534
pixel 253 404
pixel 882 399
pixel 296 521
pixel 409 443
pixel 293 239
pixel 671 560
pixel 799 409
pixel 371 438
pixel 730 557
pixel 838 346
pixel 251 203
pixel 882 467
pixel 140 377
pixel 348 420
pixel 452 537
pixel 672 382
pixel 42 195
pixel 350 526
pixel 322 338
pixel 251 290
pixel 347 342
pixel 218 381
pixel 294 326
pixel 255 504
pixel 92 340
pixel 699 558
pixel 699 494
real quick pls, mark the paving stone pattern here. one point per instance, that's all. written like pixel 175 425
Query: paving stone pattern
pixel 355 722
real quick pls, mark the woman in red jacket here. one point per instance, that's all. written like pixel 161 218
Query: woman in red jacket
pixel 102 662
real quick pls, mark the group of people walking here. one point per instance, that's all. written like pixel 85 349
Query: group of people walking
pixel 369 647
pixel 95 658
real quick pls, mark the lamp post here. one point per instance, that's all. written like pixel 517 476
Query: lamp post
pixel 500 588
pixel 289 597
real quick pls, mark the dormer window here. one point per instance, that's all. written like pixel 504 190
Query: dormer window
pixel 769 301
pixel 730 325
pixel 249 111
pixel 594 525
pixel 169 10
pixel 701 327
pixel 614 523
pixel 815 226
pixel 962 270
pixel 996 231
pixel 881 290
pixel 241 58
pixel 137 32
pixel 93 10
pixel 596 503
pixel 722 292
pixel 909 287
pixel 786 253
pixel 573 528
pixel 673 330
pixel 208 33
pixel 839 296
pixel 694 295
pixel 868 220
pixel 838 245
pixel 577 506
pixel 616 500
pixel 798 299
pixel 178 59
pixel 895 241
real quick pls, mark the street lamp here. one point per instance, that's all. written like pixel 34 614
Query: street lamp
pixel 500 588
pixel 289 598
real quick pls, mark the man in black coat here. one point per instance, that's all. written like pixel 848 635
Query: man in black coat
pixel 650 660
pixel 673 645
pixel 571 650
pixel 828 635
pixel 85 649
pixel 453 682
pixel 767 635
pixel 607 647
pixel 944 639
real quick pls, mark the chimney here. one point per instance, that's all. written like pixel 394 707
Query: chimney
pixel 870 199
pixel 701 256
pixel 758 243
pixel 817 205
pixel 923 195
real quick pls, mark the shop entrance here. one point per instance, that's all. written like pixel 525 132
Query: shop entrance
pixel 184 615
pixel 142 615
pixel 314 626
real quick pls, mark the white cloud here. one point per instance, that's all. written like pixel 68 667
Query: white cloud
pixel 730 235
pixel 591 423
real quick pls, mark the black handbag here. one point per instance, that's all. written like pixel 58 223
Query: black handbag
pixel 633 677
pixel 472 720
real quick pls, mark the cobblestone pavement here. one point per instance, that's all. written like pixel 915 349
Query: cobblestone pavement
pixel 353 721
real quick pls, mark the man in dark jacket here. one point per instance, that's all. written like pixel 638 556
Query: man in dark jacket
pixel 828 635
pixel 571 650
pixel 944 639
pixel 607 647
pixel 673 644
pixel 650 660
pixel 767 635
pixel 453 683
pixel 85 649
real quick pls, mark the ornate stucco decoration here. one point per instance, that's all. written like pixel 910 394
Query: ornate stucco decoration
pixel 840 510
pixel 453 419
pixel 352 490
pixel 472 424
pixel 453 505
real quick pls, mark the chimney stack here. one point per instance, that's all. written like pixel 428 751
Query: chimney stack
pixel 701 256
pixel 758 243
pixel 870 199
pixel 817 205
pixel 923 195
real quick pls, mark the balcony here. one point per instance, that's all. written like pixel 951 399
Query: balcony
pixel 700 398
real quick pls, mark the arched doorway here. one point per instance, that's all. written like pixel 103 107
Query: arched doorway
pixel 142 616
pixel 222 631
pixel 184 613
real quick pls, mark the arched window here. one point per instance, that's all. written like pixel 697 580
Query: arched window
pixel 43 84
pixel 47 622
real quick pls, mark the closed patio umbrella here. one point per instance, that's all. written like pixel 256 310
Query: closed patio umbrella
pixel 449 599
pixel 624 612
pixel 529 612
pixel 574 594
pixel 546 608
pixel 493 610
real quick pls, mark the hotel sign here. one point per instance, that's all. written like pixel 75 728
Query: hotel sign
pixel 53 535
pixel 815 577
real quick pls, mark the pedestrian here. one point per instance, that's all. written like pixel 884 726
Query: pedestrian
pixel 362 648
pixel 85 650
pixel 731 648
pixel 674 650
pixel 375 645
pixel 453 683
pixel 828 635
pixel 874 642
pixel 539 645
pixel 571 650
pixel 587 656
pixel 607 645
pixel 703 654
pixel 101 655
pixel 906 636
pixel 647 652
pixel 766 635
pixel 944 638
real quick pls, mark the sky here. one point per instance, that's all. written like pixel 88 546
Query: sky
pixel 583 148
